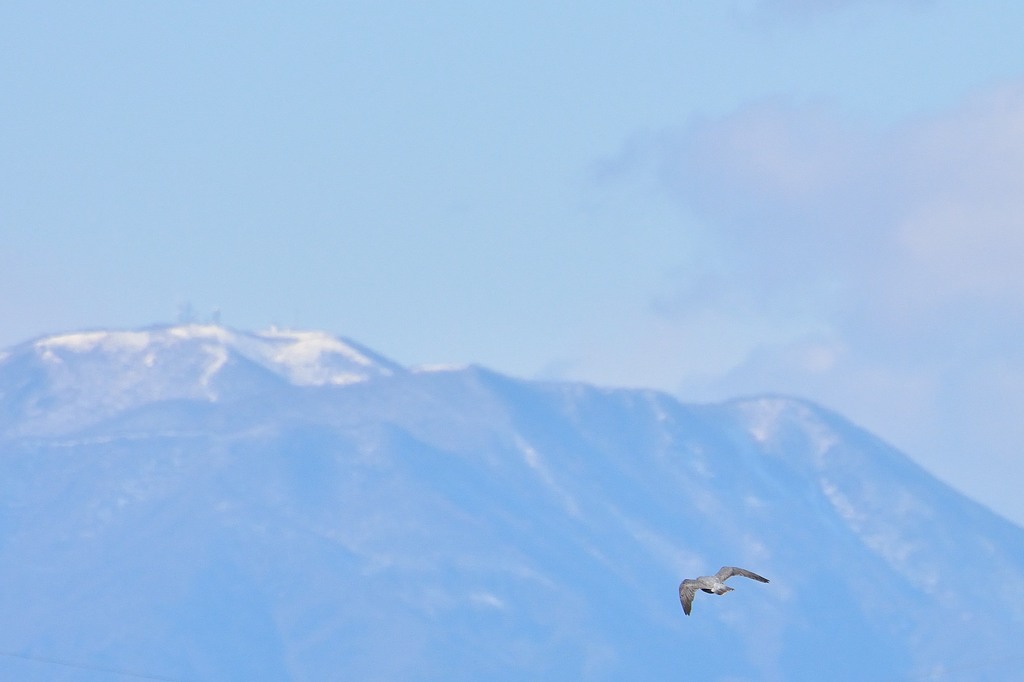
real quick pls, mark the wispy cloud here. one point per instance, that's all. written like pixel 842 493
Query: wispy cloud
pixel 807 7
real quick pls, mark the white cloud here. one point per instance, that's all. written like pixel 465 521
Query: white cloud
pixel 921 216
pixel 963 226
pixel 880 269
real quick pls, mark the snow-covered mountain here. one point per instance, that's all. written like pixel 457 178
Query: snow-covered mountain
pixel 198 503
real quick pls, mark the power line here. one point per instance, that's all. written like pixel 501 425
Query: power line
pixel 943 671
pixel 95 668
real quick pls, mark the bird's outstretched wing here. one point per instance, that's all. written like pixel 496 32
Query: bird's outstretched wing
pixel 727 572
pixel 687 589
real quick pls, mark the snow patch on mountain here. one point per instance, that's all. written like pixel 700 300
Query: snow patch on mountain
pixel 84 342
pixel 770 420
pixel 72 380
pixel 303 358
pixel 535 462
pixel 218 356
pixel 316 358
pixel 438 368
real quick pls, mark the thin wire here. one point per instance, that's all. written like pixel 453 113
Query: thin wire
pixel 961 667
pixel 95 668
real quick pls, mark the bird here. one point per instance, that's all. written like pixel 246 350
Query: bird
pixel 712 584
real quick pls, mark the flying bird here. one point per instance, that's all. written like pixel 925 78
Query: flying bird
pixel 712 584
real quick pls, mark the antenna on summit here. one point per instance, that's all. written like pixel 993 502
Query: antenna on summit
pixel 186 313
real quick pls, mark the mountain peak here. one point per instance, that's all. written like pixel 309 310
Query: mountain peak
pixel 303 358
pixel 74 378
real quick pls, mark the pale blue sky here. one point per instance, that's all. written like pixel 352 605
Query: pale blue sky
pixel 819 197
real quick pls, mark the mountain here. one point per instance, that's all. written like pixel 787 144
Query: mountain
pixel 200 503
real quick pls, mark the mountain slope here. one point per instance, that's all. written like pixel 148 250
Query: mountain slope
pixel 200 503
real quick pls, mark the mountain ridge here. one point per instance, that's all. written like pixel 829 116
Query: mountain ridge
pixel 462 524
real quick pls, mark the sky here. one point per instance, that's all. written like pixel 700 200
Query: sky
pixel 714 198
